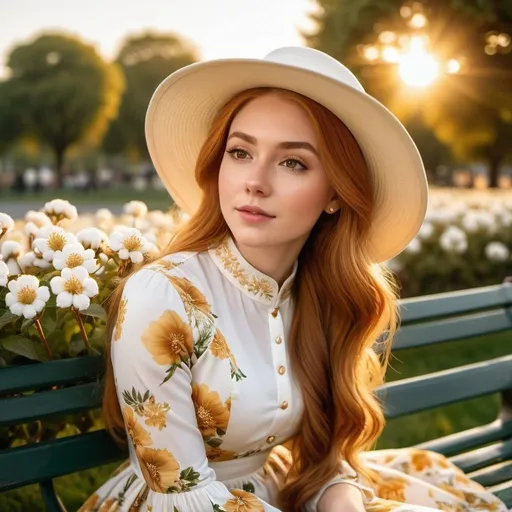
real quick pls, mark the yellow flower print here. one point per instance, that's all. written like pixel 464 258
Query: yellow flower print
pixel 155 413
pixel 138 435
pixel 169 340
pixel 118 330
pixel 168 264
pixel 192 298
pixel 452 490
pixel 211 413
pixel 392 489
pixel 219 348
pixel 91 503
pixel 109 505
pixel 159 468
pixel 215 454
pixel 421 460
pixel 243 501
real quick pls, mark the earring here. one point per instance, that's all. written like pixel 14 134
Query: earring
pixel 331 209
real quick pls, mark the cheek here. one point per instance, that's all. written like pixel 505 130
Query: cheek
pixel 305 197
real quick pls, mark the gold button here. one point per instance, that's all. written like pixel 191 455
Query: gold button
pixel 275 312
pixel 281 370
pixel 284 405
pixel 271 439
pixel 279 340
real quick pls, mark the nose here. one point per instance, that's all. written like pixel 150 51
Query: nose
pixel 257 181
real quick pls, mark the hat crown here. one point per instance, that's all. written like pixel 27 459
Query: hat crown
pixel 316 61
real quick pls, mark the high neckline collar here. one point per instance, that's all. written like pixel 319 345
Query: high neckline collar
pixel 248 279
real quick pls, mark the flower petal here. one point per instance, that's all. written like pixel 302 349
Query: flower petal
pixel 10 299
pixel 64 300
pixel 43 293
pixel 124 254
pixel 91 287
pixel 29 311
pixel 136 257
pixel 81 301
pixel 17 308
pixel 57 284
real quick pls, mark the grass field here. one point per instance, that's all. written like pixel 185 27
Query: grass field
pixel 399 432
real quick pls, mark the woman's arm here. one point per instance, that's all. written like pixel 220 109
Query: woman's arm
pixel 341 497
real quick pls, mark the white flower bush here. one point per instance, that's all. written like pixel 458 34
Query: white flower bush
pixel 58 267
pixel 26 298
pixel 74 288
pixel 466 241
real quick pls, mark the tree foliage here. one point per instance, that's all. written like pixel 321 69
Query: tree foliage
pixel 61 92
pixel 146 60
pixel 469 111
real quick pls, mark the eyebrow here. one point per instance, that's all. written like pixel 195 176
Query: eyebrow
pixel 284 145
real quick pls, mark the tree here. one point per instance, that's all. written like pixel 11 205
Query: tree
pixel 470 110
pixel 146 60
pixel 64 93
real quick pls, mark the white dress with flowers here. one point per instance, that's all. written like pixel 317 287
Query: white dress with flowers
pixel 205 384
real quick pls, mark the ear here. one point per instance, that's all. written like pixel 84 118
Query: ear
pixel 333 205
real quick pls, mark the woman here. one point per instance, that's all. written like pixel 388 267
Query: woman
pixel 257 328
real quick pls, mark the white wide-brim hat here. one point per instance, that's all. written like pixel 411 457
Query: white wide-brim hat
pixel 184 104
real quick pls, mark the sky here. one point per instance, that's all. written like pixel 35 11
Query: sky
pixel 218 28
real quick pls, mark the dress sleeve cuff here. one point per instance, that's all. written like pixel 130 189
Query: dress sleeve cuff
pixel 346 476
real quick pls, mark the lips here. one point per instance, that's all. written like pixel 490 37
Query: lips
pixel 255 210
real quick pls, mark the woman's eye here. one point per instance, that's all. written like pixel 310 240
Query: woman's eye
pixel 239 154
pixel 292 163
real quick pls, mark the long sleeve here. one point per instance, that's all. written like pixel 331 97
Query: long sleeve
pixel 348 476
pixel 154 348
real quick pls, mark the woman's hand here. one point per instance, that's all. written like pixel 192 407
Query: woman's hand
pixel 341 498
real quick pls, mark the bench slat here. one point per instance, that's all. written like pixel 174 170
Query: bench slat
pixel 48 403
pixel 37 376
pixel 428 391
pixel 503 492
pixel 468 439
pixel 457 302
pixel 483 457
pixel 452 329
pixel 493 475
pixel 43 461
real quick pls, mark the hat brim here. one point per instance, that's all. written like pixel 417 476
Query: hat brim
pixel 182 109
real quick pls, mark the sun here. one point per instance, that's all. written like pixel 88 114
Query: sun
pixel 418 69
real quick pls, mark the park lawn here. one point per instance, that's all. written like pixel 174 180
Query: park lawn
pixel 400 432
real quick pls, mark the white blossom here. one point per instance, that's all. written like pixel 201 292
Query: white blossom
pixel 426 230
pixel 104 215
pixel 50 239
pixel 26 298
pixel 61 209
pixel 497 251
pixel 414 246
pixel 4 273
pixel 476 220
pixel 129 244
pixel 11 249
pixel 40 219
pixel 6 223
pixel 74 288
pixel 92 238
pixel 454 239
pixel 28 260
pixel 135 209
pixel 74 255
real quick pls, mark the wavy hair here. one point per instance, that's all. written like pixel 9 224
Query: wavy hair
pixel 343 302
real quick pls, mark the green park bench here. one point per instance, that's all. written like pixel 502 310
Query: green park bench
pixel 483 452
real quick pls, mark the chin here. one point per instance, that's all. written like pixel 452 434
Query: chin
pixel 252 237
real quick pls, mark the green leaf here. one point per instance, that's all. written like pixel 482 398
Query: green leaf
pixel 248 487
pixel 7 318
pixel 96 311
pixel 24 347
pixel 214 442
pixel 76 346
pixel 27 322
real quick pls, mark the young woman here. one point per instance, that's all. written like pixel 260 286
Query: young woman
pixel 242 363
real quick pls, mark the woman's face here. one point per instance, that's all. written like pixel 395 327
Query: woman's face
pixel 271 163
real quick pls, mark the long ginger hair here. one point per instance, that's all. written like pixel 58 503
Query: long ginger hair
pixel 343 302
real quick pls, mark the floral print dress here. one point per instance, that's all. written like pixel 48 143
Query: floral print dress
pixel 205 385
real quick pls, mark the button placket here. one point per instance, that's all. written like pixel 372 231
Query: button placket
pixel 283 385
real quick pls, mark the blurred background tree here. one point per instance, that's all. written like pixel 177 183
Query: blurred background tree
pixel 60 92
pixel 443 65
pixel 145 60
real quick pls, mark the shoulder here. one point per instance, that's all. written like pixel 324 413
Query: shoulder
pixel 180 276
